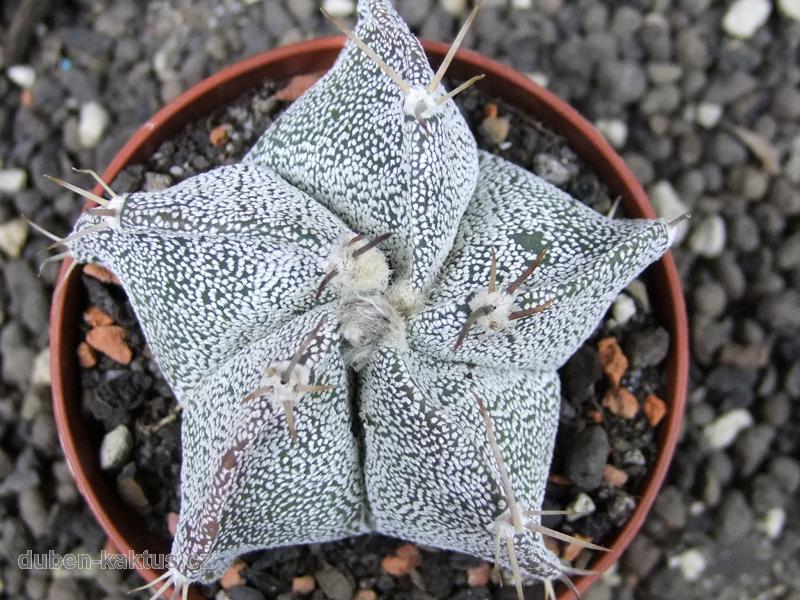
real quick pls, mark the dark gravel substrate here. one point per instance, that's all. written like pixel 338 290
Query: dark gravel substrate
pixel 662 78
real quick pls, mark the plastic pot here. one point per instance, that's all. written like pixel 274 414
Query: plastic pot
pixel 80 437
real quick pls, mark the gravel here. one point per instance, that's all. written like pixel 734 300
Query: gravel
pixel 605 58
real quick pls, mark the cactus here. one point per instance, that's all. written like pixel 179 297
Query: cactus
pixel 362 320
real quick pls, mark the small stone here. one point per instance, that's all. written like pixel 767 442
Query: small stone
pixel 621 402
pixel 95 271
pixel 722 432
pixel 220 134
pixel 496 129
pixel 479 575
pixel 691 563
pixel 172 522
pixel 155 182
pixel 751 356
pixel 233 576
pixel 33 511
pixel 668 206
pixel 708 236
pixel 242 592
pixel 734 518
pixel 22 75
pixel 788 255
pixel 92 123
pixel 582 505
pixel 339 8
pixel 752 446
pixel 96 317
pixel 771 524
pixel 115 448
pixel 654 409
pixel 41 368
pixel 334 584
pixel 573 549
pixel 670 507
pixel 453 8
pixel 297 86
pixel 708 114
pixel 86 356
pixel 133 494
pixel 365 595
pixel 641 557
pixel 396 566
pixel 409 552
pixel 303 584
pixel 790 8
pixel 787 471
pixel 623 309
pixel 587 458
pixel 13 235
pixel 614 476
pixel 551 169
pixel 12 180
pixel 612 359
pixel 647 347
pixel 614 130
pixel 110 340
pixel 710 300
pixel 745 17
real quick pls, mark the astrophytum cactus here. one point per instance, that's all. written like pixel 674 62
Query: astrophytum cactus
pixel 362 320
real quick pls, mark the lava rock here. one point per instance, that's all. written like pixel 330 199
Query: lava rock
pixel 587 458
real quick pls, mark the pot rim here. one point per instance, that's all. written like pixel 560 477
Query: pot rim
pixel 310 56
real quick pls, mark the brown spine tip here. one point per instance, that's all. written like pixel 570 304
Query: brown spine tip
pixel 371 244
pixel 521 314
pixel 325 282
pixel 525 275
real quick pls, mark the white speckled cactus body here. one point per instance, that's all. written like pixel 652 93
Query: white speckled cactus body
pixel 352 324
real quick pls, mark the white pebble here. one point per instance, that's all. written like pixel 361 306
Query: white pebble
pixel 708 114
pixel 522 4
pixel 22 75
pixel 614 130
pixel 744 17
pixel 721 432
pixel 115 447
pixel 41 369
pixel 92 124
pixel 691 564
pixel 790 8
pixel 12 236
pixel 539 78
pixel 668 206
pixel 708 236
pixel 772 523
pixel 12 180
pixel 582 505
pixel 339 8
pixel 453 7
pixel 623 309
pixel 638 291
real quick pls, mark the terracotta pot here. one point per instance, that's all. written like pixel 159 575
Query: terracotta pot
pixel 80 438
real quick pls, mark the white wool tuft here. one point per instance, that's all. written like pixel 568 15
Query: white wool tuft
pixel 285 392
pixel 498 319
pixel 418 98
pixel 405 299
pixel 367 322
pixel 364 273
